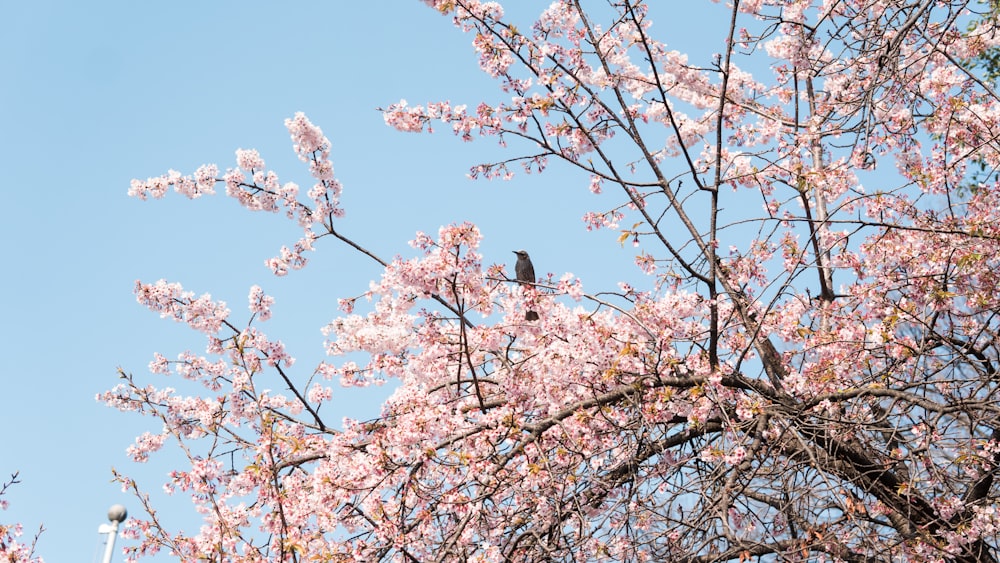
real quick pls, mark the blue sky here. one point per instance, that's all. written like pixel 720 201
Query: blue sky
pixel 95 94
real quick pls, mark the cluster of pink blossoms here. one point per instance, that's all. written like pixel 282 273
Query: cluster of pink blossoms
pixel 259 189
pixel 13 549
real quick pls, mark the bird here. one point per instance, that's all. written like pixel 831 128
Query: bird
pixel 525 273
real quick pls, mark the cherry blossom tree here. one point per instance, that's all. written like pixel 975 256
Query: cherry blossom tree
pixel 12 549
pixel 804 365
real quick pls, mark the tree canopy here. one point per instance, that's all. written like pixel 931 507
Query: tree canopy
pixel 803 366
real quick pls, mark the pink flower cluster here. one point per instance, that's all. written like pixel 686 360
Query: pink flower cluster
pixel 170 300
pixel 13 549
pixel 259 189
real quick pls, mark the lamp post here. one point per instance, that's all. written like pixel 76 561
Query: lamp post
pixel 116 514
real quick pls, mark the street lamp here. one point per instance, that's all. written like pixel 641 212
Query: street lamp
pixel 116 514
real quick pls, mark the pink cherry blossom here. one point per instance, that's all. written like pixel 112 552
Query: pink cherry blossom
pixel 801 367
pixel 260 303
pixel 12 547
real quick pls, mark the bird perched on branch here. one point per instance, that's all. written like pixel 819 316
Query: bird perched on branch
pixel 525 273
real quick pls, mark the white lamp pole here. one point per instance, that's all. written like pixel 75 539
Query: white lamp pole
pixel 116 514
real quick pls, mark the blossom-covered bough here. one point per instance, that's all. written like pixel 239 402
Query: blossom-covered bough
pixel 811 373
pixel 12 549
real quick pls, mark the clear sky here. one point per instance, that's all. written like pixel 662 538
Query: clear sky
pixel 93 94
